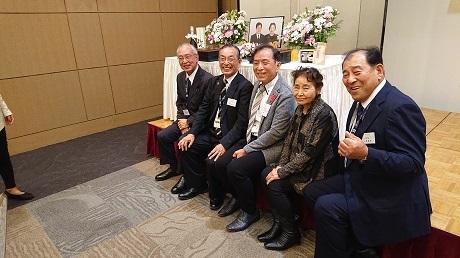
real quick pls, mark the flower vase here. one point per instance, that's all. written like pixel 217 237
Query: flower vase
pixel 295 54
pixel 320 53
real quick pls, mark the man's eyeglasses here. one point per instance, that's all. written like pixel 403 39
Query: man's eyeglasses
pixel 185 58
pixel 229 59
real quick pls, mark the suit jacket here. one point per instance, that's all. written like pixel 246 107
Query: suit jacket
pixel 234 120
pixel 262 40
pixel 387 195
pixel 195 96
pixel 273 127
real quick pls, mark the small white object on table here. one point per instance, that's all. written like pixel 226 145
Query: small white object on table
pixel 333 92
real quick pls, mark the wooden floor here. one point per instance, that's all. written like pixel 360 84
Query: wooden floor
pixel 443 168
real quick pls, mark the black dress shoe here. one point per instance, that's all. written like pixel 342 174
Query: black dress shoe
pixel 272 233
pixel 243 221
pixel 23 197
pixel 215 203
pixel 229 208
pixel 192 192
pixel 366 253
pixel 179 186
pixel 168 173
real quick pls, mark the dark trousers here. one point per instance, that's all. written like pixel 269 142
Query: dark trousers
pixel 279 195
pixel 219 183
pixel 6 168
pixel 243 173
pixel 334 235
pixel 193 158
pixel 166 139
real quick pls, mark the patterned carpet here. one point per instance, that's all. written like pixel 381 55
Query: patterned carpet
pixel 127 213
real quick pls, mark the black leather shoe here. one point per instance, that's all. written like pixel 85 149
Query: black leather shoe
pixel 243 221
pixel 272 233
pixel 229 208
pixel 23 197
pixel 167 174
pixel 289 236
pixel 366 253
pixel 215 203
pixel 179 186
pixel 192 192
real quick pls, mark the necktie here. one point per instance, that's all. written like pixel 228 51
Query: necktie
pixel 359 117
pixel 223 92
pixel 187 87
pixel 254 109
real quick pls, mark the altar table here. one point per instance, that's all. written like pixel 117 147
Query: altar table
pixel 334 92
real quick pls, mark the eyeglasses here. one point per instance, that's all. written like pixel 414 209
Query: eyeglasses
pixel 229 59
pixel 185 58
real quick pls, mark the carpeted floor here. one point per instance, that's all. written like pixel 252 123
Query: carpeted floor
pixel 124 212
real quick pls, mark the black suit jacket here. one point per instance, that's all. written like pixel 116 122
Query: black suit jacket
pixel 262 40
pixel 196 94
pixel 234 120
pixel 387 196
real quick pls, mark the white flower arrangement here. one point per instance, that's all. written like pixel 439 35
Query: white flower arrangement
pixel 309 27
pixel 229 28
pixel 247 49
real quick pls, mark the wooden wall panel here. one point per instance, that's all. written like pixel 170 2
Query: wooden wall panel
pixel 44 138
pixel 97 93
pixel 43 102
pixel 87 40
pixel 128 5
pixel 35 44
pixel 180 23
pixel 132 37
pixel 137 86
pixel 188 6
pixel 34 6
pixel 81 5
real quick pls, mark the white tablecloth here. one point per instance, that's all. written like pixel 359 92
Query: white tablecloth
pixel 333 92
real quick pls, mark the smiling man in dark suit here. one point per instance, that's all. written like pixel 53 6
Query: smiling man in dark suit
pixel 220 122
pixel 191 85
pixel 381 196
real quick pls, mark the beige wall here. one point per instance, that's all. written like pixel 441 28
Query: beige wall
pixel 361 26
pixel 422 54
pixel 74 67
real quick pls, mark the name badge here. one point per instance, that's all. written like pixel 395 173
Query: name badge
pixel 265 109
pixel 186 113
pixel 369 138
pixel 231 102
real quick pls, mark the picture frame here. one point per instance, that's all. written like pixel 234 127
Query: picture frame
pixel 263 35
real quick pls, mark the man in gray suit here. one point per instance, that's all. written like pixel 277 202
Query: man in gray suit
pixel 271 108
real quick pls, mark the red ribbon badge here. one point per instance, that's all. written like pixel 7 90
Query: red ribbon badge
pixel 272 98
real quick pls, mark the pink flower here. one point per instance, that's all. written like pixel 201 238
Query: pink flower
pixel 228 33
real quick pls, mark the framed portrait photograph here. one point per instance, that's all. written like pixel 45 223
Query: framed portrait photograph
pixel 266 30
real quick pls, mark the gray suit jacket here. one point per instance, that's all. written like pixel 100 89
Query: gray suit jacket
pixel 273 127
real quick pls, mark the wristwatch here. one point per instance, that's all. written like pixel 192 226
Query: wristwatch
pixel 361 161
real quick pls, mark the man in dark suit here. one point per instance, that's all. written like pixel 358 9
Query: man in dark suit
pixel 220 122
pixel 381 196
pixel 271 108
pixel 258 37
pixel 191 85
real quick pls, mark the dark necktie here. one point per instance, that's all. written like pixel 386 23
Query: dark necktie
pixel 223 92
pixel 254 109
pixel 359 118
pixel 187 87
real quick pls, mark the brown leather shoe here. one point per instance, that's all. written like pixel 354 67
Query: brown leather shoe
pixel 229 208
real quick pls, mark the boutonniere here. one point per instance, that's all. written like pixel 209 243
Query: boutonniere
pixel 272 98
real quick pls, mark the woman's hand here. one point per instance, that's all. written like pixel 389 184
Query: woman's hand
pixel 273 175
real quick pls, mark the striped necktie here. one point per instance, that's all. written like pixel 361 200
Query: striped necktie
pixel 223 92
pixel 187 87
pixel 254 109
